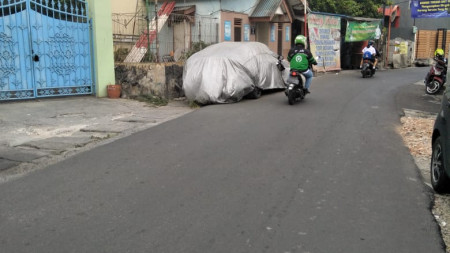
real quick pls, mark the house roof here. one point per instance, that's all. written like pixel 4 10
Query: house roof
pixel 271 10
pixel 265 8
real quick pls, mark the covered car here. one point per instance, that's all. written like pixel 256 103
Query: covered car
pixel 228 71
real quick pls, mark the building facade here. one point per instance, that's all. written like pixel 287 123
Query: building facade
pixel 202 22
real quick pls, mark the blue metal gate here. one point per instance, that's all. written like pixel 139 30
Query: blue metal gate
pixel 45 49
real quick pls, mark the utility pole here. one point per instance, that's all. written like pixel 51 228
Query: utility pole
pixel 147 10
pixel 305 17
pixel 389 35
pixel 383 24
pixel 156 31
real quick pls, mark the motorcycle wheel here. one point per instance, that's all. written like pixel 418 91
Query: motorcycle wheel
pixel 291 97
pixel 433 87
pixel 364 73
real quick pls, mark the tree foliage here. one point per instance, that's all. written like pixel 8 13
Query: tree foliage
pixel 355 8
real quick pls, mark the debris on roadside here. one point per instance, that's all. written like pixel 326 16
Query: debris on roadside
pixel 416 133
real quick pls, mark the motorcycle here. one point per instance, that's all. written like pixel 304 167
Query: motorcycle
pixel 295 89
pixel 367 69
pixel 436 77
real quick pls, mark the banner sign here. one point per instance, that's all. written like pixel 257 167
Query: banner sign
pixel 430 9
pixel 361 31
pixel 227 31
pixel 246 32
pixel 287 34
pixel 272 33
pixel 325 41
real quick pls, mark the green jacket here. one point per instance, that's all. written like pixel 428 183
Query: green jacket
pixel 300 58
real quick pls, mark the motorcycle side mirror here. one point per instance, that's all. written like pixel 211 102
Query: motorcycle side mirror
pixel 280 57
pixel 318 57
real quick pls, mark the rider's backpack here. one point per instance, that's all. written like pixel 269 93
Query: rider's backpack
pixel 367 55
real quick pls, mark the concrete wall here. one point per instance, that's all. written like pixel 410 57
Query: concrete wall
pixel 100 12
pixel 157 79
pixel 230 16
pixel 273 45
pixel 124 14
pixel 263 33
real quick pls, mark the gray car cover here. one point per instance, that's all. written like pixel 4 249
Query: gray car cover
pixel 227 71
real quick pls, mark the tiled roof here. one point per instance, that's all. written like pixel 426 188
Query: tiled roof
pixel 265 8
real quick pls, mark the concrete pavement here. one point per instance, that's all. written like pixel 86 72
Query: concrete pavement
pixel 36 133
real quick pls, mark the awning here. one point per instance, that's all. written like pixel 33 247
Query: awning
pixel 299 18
pixel 184 10
pixel 346 17
pixel 186 13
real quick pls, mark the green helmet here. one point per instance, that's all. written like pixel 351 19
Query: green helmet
pixel 300 39
pixel 439 52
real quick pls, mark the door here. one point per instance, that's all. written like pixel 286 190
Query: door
pixel 45 49
pixel 182 35
pixel 237 29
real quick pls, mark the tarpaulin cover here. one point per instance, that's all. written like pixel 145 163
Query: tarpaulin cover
pixel 227 71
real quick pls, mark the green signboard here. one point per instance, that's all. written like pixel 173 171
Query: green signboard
pixel 360 31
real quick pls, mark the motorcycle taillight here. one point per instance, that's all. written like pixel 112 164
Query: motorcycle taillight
pixel 293 73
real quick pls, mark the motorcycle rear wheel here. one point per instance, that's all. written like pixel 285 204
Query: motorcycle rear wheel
pixel 433 87
pixel 291 97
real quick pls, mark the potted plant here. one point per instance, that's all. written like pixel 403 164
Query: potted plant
pixel 114 90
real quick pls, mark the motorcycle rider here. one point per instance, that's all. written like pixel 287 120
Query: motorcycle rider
pixel 300 59
pixel 440 59
pixel 369 53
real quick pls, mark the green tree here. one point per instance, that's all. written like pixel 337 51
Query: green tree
pixel 355 8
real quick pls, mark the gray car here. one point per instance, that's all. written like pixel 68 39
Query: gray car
pixel 228 71
pixel 440 157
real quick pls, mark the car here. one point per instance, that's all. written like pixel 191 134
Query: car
pixel 229 71
pixel 440 155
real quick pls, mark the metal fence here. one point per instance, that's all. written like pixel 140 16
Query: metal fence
pixel 179 37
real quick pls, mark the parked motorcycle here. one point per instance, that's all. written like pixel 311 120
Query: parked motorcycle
pixel 367 69
pixel 436 76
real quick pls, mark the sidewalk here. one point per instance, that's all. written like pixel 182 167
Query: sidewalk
pixel 40 132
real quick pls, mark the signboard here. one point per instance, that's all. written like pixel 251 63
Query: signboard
pixel 227 31
pixel 272 32
pixel 430 9
pixel 288 34
pixel 404 47
pixel 246 32
pixel 325 40
pixel 361 31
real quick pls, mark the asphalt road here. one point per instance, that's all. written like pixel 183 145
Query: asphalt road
pixel 329 174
